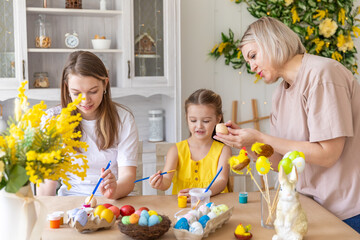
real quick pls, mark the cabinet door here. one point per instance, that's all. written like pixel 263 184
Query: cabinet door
pixel 151 58
pixel 13 58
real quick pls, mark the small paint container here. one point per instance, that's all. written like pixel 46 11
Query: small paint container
pixel 54 220
pixel 61 214
pixel 243 196
pixel 182 201
pixel 86 205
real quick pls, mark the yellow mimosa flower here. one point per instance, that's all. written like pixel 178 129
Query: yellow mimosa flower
pixel 336 56
pixel 320 14
pixel 327 27
pixel 295 16
pixel 341 16
pixel 356 31
pixel 214 48
pixel 288 2
pixel 239 55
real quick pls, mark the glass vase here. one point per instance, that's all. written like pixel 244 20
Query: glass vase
pixel 267 221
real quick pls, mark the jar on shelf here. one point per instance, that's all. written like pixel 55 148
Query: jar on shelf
pixel 43 32
pixel 41 80
pixel 156 128
pixel 73 4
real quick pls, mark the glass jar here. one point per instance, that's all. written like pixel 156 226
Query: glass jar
pixel 43 32
pixel 41 80
pixel 156 128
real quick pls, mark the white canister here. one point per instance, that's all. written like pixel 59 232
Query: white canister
pixel 156 125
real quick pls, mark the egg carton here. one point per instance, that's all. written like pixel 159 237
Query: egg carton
pixel 93 224
pixel 211 226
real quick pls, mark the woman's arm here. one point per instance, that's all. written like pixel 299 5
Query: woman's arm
pixel 323 153
pixel 222 180
pixel 47 188
pixel 163 182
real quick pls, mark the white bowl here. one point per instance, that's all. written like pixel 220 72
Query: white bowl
pixel 101 43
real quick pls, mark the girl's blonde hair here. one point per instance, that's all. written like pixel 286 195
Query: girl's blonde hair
pixel 205 97
pixel 276 40
pixel 108 122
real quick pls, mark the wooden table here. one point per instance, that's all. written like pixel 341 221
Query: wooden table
pixel 322 224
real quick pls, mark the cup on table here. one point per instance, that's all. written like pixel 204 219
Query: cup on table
pixel 182 201
pixel 243 196
pixel 197 194
pixel 54 220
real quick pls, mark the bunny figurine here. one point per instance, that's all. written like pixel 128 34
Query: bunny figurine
pixel 291 222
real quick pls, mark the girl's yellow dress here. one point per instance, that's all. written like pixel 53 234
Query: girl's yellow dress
pixel 195 174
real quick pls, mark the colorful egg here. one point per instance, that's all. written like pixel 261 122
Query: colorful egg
pixel 216 210
pixel 81 217
pixel 196 228
pixel 223 207
pixel 299 162
pixel 210 204
pixel 160 218
pixel 211 215
pixel 145 214
pixel 125 220
pixel 262 165
pixel 203 220
pixel 152 212
pixel 134 218
pixel 153 220
pixel 204 209
pixel 190 218
pixel 182 224
pixel 287 165
pixel 195 213
pixel 143 221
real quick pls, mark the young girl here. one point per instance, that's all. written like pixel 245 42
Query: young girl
pixel 108 128
pixel 198 158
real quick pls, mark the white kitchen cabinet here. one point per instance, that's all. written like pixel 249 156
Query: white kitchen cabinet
pixel 13 55
pixel 131 72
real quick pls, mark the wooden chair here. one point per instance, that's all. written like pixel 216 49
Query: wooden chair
pixel 256 120
pixel 138 188
pixel 161 150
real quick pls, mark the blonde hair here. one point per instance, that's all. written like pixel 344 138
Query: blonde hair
pixel 275 39
pixel 108 121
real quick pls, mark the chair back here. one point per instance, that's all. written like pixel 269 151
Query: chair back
pixel 138 188
pixel 161 151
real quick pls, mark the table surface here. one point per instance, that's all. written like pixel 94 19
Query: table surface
pixel 322 223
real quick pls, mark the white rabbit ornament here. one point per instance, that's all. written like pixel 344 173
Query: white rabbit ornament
pixel 291 222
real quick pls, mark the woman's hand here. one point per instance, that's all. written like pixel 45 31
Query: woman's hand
pixel 185 192
pixel 108 185
pixel 156 180
pixel 238 137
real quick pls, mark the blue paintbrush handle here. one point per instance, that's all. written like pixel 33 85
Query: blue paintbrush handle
pixel 142 179
pixel 97 185
pixel 207 189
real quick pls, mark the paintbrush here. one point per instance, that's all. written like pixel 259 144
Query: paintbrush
pixel 142 179
pixel 97 185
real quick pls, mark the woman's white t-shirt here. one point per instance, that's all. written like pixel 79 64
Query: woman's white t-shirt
pixel 123 153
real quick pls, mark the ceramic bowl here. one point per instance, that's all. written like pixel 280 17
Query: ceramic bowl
pixel 101 43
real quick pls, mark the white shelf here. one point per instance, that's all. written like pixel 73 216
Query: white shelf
pixel 53 94
pixel 68 50
pixel 73 12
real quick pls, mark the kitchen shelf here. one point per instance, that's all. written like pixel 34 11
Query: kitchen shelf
pixel 73 12
pixel 69 50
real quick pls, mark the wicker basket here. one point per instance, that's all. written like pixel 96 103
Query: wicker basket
pixel 138 232
pixel 73 4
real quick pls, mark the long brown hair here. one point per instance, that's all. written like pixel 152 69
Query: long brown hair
pixel 108 122
pixel 205 97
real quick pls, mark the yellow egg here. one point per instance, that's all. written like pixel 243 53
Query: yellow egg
pixel 221 128
pixel 263 165
pixel 107 214
pixel 152 212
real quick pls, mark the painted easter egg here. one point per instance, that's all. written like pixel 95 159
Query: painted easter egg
pixel 81 217
pixel 190 218
pixel 160 218
pixel 196 228
pixel 195 213
pixel 203 220
pixel 299 162
pixel 153 220
pixel 143 221
pixel 145 213
pixel 211 215
pixel 152 212
pixel 287 165
pixel 210 204
pixel 134 218
pixel 204 209
pixel 223 207
pixel 262 165
pixel 125 220
pixel 182 224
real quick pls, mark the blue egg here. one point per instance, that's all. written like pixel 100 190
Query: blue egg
pixel 210 204
pixel 143 221
pixel 203 220
pixel 145 214
pixel 81 217
pixel 182 224
pixel 153 220
pixel 71 213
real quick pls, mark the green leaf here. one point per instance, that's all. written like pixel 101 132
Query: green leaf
pixel 224 37
pixel 231 34
pixel 312 3
pixel 302 5
pixel 17 179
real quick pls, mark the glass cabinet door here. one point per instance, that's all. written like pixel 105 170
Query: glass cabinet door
pixel 12 60
pixel 148 38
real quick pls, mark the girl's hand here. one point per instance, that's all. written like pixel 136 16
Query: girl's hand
pixel 185 192
pixel 108 185
pixel 156 180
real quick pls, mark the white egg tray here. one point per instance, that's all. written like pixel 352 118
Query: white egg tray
pixel 211 226
pixel 93 224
